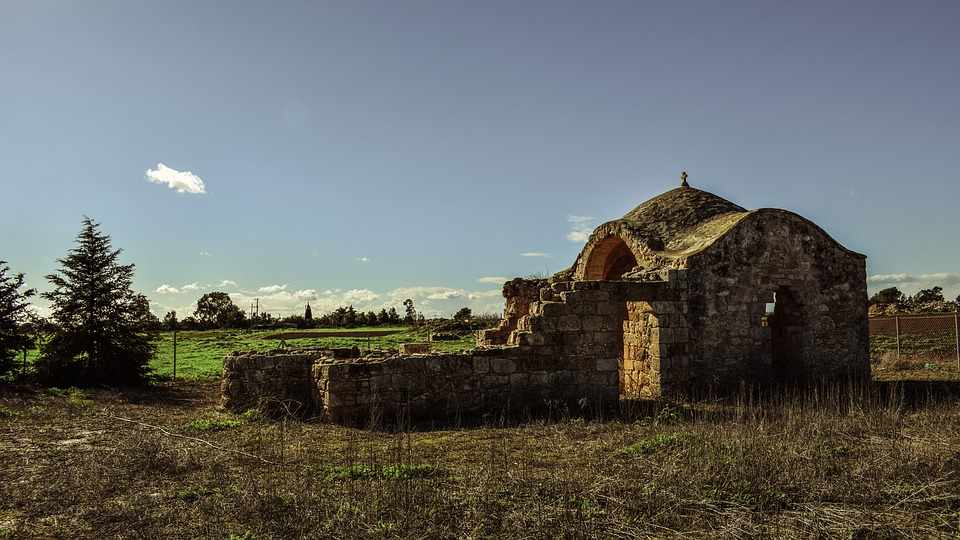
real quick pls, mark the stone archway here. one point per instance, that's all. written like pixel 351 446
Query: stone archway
pixel 609 259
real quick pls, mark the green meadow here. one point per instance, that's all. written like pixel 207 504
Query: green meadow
pixel 200 353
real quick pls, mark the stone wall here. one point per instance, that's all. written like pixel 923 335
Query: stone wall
pixel 567 353
pixel 270 381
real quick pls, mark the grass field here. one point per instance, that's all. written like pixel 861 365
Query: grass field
pixel 167 463
pixel 200 353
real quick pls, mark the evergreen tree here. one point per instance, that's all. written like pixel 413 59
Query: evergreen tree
pixel 393 316
pixel 13 316
pixel 99 319
pixel 308 314
pixel 383 317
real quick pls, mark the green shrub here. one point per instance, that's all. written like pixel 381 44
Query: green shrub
pixel 252 415
pixel 360 471
pixel 75 396
pixel 406 471
pixel 6 412
pixel 657 442
pixel 213 424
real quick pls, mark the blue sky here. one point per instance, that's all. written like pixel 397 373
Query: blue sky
pixel 368 151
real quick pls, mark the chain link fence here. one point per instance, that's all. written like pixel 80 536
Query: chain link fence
pixel 928 342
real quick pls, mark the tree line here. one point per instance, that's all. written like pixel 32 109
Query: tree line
pixel 924 301
pixel 102 332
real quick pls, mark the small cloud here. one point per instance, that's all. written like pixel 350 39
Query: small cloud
pixel 492 279
pixel 167 289
pixel 272 288
pixel 190 287
pixel 182 181
pixel 306 294
pixel 360 295
pixel 205 253
pixel 363 259
pixel 227 283
pixel 534 254
pixel 485 294
pixel 445 294
pixel 939 278
pixel 580 228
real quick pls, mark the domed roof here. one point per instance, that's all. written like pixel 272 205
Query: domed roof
pixel 682 220
pixel 682 207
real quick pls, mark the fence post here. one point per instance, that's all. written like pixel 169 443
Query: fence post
pixel 174 353
pixel 956 330
pixel 896 321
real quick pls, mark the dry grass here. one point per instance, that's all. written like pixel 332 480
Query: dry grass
pixel 814 465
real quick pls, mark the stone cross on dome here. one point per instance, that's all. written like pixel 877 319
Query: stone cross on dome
pixel 683 179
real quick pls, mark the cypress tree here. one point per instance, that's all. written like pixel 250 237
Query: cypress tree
pixel 99 337
pixel 13 315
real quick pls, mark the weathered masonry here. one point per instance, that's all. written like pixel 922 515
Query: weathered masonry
pixel 687 293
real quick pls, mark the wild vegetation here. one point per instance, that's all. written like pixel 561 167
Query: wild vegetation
pixel 167 463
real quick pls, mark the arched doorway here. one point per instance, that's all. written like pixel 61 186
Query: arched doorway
pixel 609 259
pixel 785 320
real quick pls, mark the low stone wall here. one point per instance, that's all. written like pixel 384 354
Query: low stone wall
pixel 441 387
pixel 273 381
pixel 564 351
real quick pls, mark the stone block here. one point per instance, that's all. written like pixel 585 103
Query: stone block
pixel 481 364
pixel 592 323
pixel 569 323
pixel 607 364
pixel 414 348
pixel 502 365
pixel 519 380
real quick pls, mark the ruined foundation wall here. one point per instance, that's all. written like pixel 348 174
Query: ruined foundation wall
pixel 270 380
pixel 519 294
pixel 567 354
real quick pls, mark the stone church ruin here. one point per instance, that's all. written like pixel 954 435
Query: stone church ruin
pixel 686 294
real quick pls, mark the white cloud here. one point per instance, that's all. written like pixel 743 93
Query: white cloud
pixel 191 287
pixel 167 289
pixel 272 289
pixel 448 294
pixel 182 181
pixel 534 254
pixel 361 296
pixel 940 278
pixel 496 293
pixel 306 294
pixel 580 228
pixel 493 279
pixel 205 253
pixel 227 283
pixel 363 259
